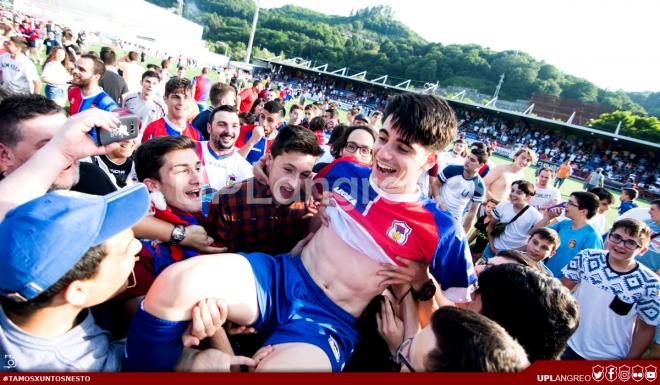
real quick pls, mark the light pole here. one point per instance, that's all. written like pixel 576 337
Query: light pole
pixel 254 28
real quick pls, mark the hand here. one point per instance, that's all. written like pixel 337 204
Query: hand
pixel 208 316
pixel 262 353
pixel 298 248
pixel 553 213
pixel 258 133
pixel 197 238
pixel 72 140
pixel 233 329
pixel 259 171
pixel 214 360
pixel 326 201
pixel 390 327
pixel 411 273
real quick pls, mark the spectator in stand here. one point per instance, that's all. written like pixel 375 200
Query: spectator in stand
pixel 56 75
pixel 201 88
pixel 606 199
pixel 178 99
pixel 220 95
pixel 131 71
pixel 517 216
pixel 564 171
pixel 596 179
pixel 111 82
pixel 146 104
pixel 628 195
pixel 617 318
pixel 249 95
pixel 575 232
pixel 499 180
pixel 17 73
pixel 546 194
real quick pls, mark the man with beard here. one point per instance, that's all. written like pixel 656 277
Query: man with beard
pixel 27 123
pixel 86 92
pixel 255 140
pixel 223 166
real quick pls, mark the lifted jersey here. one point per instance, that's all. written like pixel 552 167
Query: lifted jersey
pixel 383 226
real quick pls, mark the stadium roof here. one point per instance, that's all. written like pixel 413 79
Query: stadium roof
pixel 381 82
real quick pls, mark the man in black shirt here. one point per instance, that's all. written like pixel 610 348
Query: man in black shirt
pixel 111 82
pixel 50 43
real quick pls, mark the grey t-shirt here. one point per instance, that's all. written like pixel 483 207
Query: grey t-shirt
pixel 85 348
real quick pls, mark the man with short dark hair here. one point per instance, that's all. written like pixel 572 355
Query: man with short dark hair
pixel 575 232
pixel 146 104
pixel 111 82
pixel 331 117
pixel 249 95
pixel 220 95
pixel 178 96
pixel 86 92
pixel 255 140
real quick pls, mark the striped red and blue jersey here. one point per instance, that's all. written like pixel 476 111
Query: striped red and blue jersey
pixel 383 226
pixel 78 103
pixel 163 127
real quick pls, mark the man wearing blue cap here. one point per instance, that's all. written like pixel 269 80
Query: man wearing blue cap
pixel 63 253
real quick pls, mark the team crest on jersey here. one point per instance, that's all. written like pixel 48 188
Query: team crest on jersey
pixel 571 243
pixel 465 193
pixel 231 180
pixel 334 347
pixel 399 231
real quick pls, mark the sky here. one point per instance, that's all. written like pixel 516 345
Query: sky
pixel 614 44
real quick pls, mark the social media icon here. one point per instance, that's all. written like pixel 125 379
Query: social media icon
pixel 637 373
pixel 624 373
pixel 597 373
pixel 651 373
pixel 611 373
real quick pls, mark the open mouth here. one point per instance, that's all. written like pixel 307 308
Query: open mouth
pixel 287 192
pixel 384 169
pixel 194 194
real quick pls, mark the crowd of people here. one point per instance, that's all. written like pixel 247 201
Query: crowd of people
pixel 238 230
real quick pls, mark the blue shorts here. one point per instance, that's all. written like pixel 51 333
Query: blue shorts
pixel 292 308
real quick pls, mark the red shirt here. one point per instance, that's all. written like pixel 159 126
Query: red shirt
pixel 161 127
pixel 248 96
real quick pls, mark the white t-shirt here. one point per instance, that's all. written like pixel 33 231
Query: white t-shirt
pixel 609 305
pixel 598 223
pixel 56 71
pixel 148 111
pixel 457 191
pixel 515 235
pixel 18 74
pixel 447 158
pixel 545 197
pixel 224 170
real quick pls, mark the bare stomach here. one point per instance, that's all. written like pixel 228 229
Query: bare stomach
pixel 345 275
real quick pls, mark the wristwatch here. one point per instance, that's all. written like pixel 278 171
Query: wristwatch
pixel 178 234
pixel 426 292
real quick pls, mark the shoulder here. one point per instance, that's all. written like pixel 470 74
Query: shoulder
pixel 452 171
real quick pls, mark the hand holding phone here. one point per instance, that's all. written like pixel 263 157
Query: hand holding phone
pixel 128 128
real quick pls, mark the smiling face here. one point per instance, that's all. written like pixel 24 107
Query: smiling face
pixel 83 73
pixel 224 130
pixel 399 164
pixel 288 174
pixel 180 180
pixel 619 252
pixel 522 161
pixel 518 197
pixel 357 141
pixel 178 104
pixel 125 149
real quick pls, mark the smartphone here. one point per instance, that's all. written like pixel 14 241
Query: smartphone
pixel 128 129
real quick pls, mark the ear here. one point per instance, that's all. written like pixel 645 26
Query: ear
pixel 152 184
pixel 269 162
pixel 76 293
pixel 431 160
pixel 208 128
pixel 6 156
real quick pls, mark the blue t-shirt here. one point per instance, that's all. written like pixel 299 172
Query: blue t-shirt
pixel 651 258
pixel 572 242
pixel 625 206
pixel 200 122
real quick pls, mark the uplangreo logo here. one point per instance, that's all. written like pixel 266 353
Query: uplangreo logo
pixel 611 373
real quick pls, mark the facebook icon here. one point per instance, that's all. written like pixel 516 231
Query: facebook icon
pixel 611 373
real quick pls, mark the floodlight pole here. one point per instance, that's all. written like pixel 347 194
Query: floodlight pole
pixel 254 28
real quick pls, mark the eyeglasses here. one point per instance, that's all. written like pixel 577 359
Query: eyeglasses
pixel 401 358
pixel 627 243
pixel 569 203
pixel 352 147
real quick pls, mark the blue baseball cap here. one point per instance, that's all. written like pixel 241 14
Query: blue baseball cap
pixel 44 238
